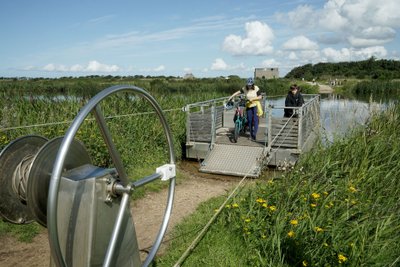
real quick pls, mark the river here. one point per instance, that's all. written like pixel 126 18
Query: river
pixel 339 115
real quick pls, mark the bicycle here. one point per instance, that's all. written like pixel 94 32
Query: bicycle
pixel 239 118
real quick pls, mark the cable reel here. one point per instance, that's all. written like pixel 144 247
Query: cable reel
pixel 85 208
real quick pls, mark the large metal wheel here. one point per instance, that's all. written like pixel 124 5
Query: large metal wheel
pixel 94 106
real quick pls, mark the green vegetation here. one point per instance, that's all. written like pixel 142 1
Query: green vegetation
pixel 338 207
pixel 367 69
pixel 24 234
pixel 47 107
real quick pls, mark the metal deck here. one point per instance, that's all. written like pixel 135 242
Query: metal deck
pixel 234 160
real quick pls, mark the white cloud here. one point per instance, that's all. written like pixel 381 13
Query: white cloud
pixel 300 43
pixel 219 64
pixel 292 56
pixel 331 54
pixel 155 69
pixel 346 54
pixel 159 68
pixel 302 17
pixel 269 63
pixel 95 66
pixel 92 66
pixel 364 22
pixel 359 23
pixel 258 40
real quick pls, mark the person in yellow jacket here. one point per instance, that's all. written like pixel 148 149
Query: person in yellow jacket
pixel 253 105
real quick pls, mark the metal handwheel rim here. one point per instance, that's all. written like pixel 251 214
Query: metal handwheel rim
pixel 61 156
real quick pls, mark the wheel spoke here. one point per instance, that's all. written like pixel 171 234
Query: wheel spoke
pixel 116 157
pixel 109 259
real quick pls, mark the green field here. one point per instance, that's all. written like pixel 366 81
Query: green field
pixel 338 207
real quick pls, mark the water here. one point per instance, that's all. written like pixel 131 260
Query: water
pixel 339 115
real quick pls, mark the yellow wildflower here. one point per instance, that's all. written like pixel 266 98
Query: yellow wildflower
pixel 305 263
pixel 263 236
pixel 315 196
pixel 228 206
pixel 342 258
pixel 272 208
pixel 247 220
pixel 260 200
pixel 294 222
pixel 265 205
pixel 352 189
pixel 318 229
pixel 326 193
pixel 235 205
pixel 291 234
pixel 313 205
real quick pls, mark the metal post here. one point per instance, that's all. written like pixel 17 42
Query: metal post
pixel 300 129
pixel 187 109
pixel 213 130
pixel 269 128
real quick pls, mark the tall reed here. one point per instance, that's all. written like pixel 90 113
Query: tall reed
pixel 339 206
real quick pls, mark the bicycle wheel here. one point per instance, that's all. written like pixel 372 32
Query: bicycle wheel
pixel 238 126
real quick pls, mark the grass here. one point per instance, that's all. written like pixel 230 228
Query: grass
pixel 217 249
pixel 338 207
pixel 23 234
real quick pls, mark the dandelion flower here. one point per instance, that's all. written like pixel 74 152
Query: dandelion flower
pixel 342 258
pixel 315 196
pixel 260 200
pixel 294 222
pixel 272 208
pixel 318 229
pixel 291 234
pixel 265 205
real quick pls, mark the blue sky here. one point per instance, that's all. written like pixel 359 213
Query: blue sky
pixel 207 38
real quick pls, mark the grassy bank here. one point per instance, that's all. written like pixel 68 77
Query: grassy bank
pixel 338 207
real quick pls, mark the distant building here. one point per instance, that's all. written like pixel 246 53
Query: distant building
pixel 266 73
pixel 188 76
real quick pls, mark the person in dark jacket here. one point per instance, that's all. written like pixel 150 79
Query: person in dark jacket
pixel 293 99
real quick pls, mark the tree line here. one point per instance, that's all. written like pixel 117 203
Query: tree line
pixel 371 68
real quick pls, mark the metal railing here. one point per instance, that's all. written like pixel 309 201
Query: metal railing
pixel 293 132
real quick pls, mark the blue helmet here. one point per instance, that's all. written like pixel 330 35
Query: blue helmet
pixel 250 81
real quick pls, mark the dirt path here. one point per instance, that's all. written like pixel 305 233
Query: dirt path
pixel 147 212
pixel 323 88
